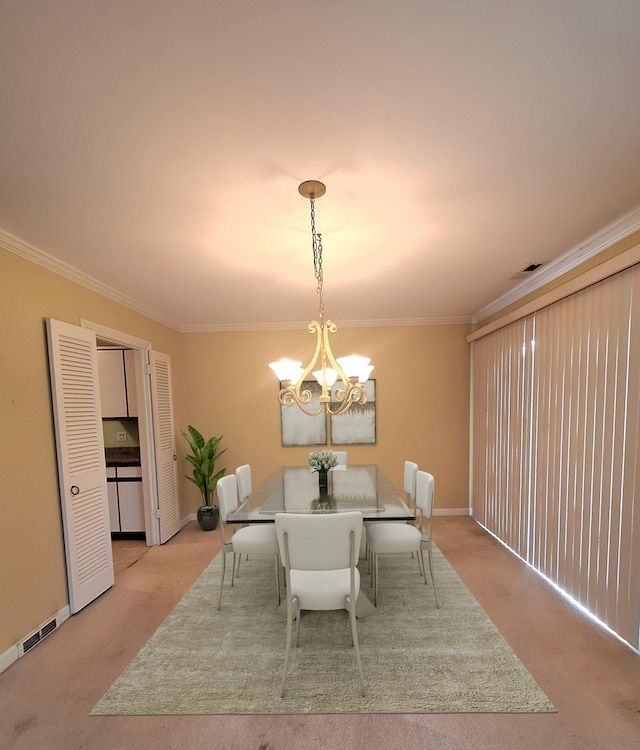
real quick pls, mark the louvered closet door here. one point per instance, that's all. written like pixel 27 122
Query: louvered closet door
pixel 83 486
pixel 164 435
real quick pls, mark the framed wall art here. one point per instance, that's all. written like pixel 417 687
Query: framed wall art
pixel 299 428
pixel 358 424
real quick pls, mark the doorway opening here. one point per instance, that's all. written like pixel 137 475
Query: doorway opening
pixel 137 483
pixel 117 379
pixel 127 552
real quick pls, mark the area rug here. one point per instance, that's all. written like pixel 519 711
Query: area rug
pixel 416 658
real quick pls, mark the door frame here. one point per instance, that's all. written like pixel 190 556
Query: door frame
pixel 141 349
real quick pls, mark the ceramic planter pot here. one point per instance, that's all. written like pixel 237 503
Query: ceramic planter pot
pixel 208 517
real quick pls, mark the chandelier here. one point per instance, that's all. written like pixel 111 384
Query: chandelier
pixel 349 373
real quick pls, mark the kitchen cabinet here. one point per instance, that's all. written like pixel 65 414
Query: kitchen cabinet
pixel 126 501
pixel 116 372
pixel 112 497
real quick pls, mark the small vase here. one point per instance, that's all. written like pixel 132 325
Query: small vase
pixel 323 482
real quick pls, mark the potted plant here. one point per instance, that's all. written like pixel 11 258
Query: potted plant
pixel 204 457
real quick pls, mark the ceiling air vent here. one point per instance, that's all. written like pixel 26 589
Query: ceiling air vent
pixel 526 271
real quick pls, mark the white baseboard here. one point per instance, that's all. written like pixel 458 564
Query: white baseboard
pixel 452 511
pixel 9 656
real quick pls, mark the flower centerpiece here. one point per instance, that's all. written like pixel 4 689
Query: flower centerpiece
pixel 322 461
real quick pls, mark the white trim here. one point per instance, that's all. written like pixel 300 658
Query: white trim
pixel 116 337
pixel 452 511
pixel 592 246
pixel 13 653
pixel 9 656
pixel 230 327
pixel 610 267
pixel 40 258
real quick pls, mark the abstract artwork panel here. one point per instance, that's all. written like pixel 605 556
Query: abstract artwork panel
pixel 299 428
pixel 357 426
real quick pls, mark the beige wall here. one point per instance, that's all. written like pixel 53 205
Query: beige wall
pixel 32 568
pixel 422 399
pixel 222 385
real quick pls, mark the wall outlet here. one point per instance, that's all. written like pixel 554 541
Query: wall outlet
pixel 121 437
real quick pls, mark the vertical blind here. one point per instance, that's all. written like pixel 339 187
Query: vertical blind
pixel 556 471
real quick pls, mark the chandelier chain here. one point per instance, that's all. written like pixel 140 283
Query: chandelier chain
pixel 316 242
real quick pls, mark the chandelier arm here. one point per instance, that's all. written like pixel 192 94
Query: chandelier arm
pixel 313 327
pixel 294 393
pixel 288 398
pixel 354 395
pixel 353 391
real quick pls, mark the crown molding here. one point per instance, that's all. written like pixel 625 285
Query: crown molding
pixel 40 258
pixel 231 327
pixel 592 246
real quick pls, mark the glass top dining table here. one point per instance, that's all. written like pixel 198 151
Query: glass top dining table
pixel 295 489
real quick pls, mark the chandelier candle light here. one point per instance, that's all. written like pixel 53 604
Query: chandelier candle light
pixel 351 372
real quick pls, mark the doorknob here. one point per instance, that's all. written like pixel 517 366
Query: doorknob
pixel 75 490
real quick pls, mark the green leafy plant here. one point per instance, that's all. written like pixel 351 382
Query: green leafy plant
pixel 204 457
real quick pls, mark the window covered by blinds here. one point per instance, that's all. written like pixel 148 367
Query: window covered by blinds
pixel 556 470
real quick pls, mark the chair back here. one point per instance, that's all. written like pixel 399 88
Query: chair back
pixel 319 541
pixel 243 478
pixel 342 457
pixel 410 471
pixel 425 485
pixel 227 495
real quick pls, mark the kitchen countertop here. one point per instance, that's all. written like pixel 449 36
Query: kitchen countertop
pixel 122 456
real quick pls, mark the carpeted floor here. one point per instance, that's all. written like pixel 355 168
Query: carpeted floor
pixel 416 658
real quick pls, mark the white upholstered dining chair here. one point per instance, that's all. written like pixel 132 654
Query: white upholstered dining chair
pixel 410 473
pixel 342 457
pixel 245 488
pixel 258 539
pixel 392 537
pixel 320 554
pixel 243 478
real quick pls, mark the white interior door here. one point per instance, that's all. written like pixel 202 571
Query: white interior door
pixel 165 447
pixel 81 468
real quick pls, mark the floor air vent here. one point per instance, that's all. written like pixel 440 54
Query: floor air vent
pixel 34 639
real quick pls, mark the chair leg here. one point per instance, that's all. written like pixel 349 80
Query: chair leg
pixel 278 577
pixel 233 569
pixel 356 645
pixel 375 580
pixel 287 649
pixel 224 562
pixel 433 582
pixel 298 617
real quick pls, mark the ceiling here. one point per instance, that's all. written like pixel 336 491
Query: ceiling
pixel 156 147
